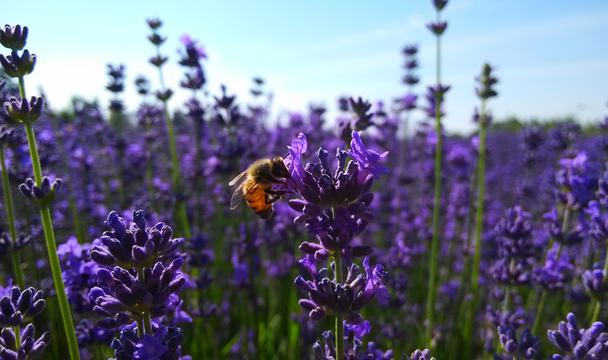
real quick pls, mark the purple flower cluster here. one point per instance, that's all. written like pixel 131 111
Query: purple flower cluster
pixel 136 247
pixel 163 344
pixel 17 310
pixel 575 343
pixel 138 280
pixel 516 249
pixel 326 296
pixel 334 206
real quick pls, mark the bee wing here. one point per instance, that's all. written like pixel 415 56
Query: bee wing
pixel 239 178
pixel 238 195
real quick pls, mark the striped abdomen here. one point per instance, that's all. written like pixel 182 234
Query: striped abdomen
pixel 257 199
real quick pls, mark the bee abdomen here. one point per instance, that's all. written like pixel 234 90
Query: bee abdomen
pixel 257 202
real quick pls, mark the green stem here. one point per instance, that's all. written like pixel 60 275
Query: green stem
pixel 479 216
pixel 541 305
pixel 539 311
pixel 144 324
pixel 140 327
pixel 180 205
pixel 481 185
pixel 51 245
pixel 98 352
pixel 10 219
pixel 17 331
pixel 479 213
pixel 31 140
pixel 64 307
pixel 147 323
pixel 597 308
pixel 433 263
pixel 22 88
pixel 339 327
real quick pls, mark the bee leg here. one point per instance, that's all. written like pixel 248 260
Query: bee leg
pixel 272 198
pixel 277 180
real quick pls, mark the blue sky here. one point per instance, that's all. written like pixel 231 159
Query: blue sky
pixel 551 56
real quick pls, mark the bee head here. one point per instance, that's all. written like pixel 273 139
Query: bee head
pixel 278 169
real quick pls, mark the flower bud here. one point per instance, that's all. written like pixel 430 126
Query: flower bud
pixel 16 65
pixel 14 37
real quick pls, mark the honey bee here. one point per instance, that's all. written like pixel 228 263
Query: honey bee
pixel 255 186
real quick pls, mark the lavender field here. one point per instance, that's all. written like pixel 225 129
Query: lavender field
pixel 207 229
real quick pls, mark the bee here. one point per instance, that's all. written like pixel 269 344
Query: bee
pixel 255 186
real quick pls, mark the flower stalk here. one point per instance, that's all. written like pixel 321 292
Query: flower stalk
pixel 163 95
pixel 49 237
pixel 481 185
pixel 10 218
pixel 436 221
pixel 543 297
pixel 339 326
pixel 597 304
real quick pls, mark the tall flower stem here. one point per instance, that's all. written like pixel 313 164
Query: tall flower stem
pixel 479 213
pixel 481 188
pixel 597 304
pixel 180 205
pixel 140 327
pixel 10 219
pixel 339 327
pixel 433 264
pixel 543 297
pixel 51 245
pixel 144 324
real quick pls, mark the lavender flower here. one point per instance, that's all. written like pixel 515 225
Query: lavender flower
pixel 23 111
pixel 440 4
pixel 193 54
pixel 595 283
pixel 369 161
pixel 44 194
pixel 355 349
pixel 574 183
pixel 143 85
pixel 16 65
pixel 31 347
pixel 13 37
pixel 333 207
pixel 325 296
pixel 141 287
pixel 438 27
pixel 575 343
pixel 123 296
pixel 524 347
pixel 435 94
pixel 20 306
pixel 556 273
pixel 16 310
pixel 7 244
pixel 515 248
pixel 79 273
pixel 136 246
pixel 164 344
pixel 154 23
pixel 408 102
pixel 117 77
pixel 487 81
pixel 420 355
